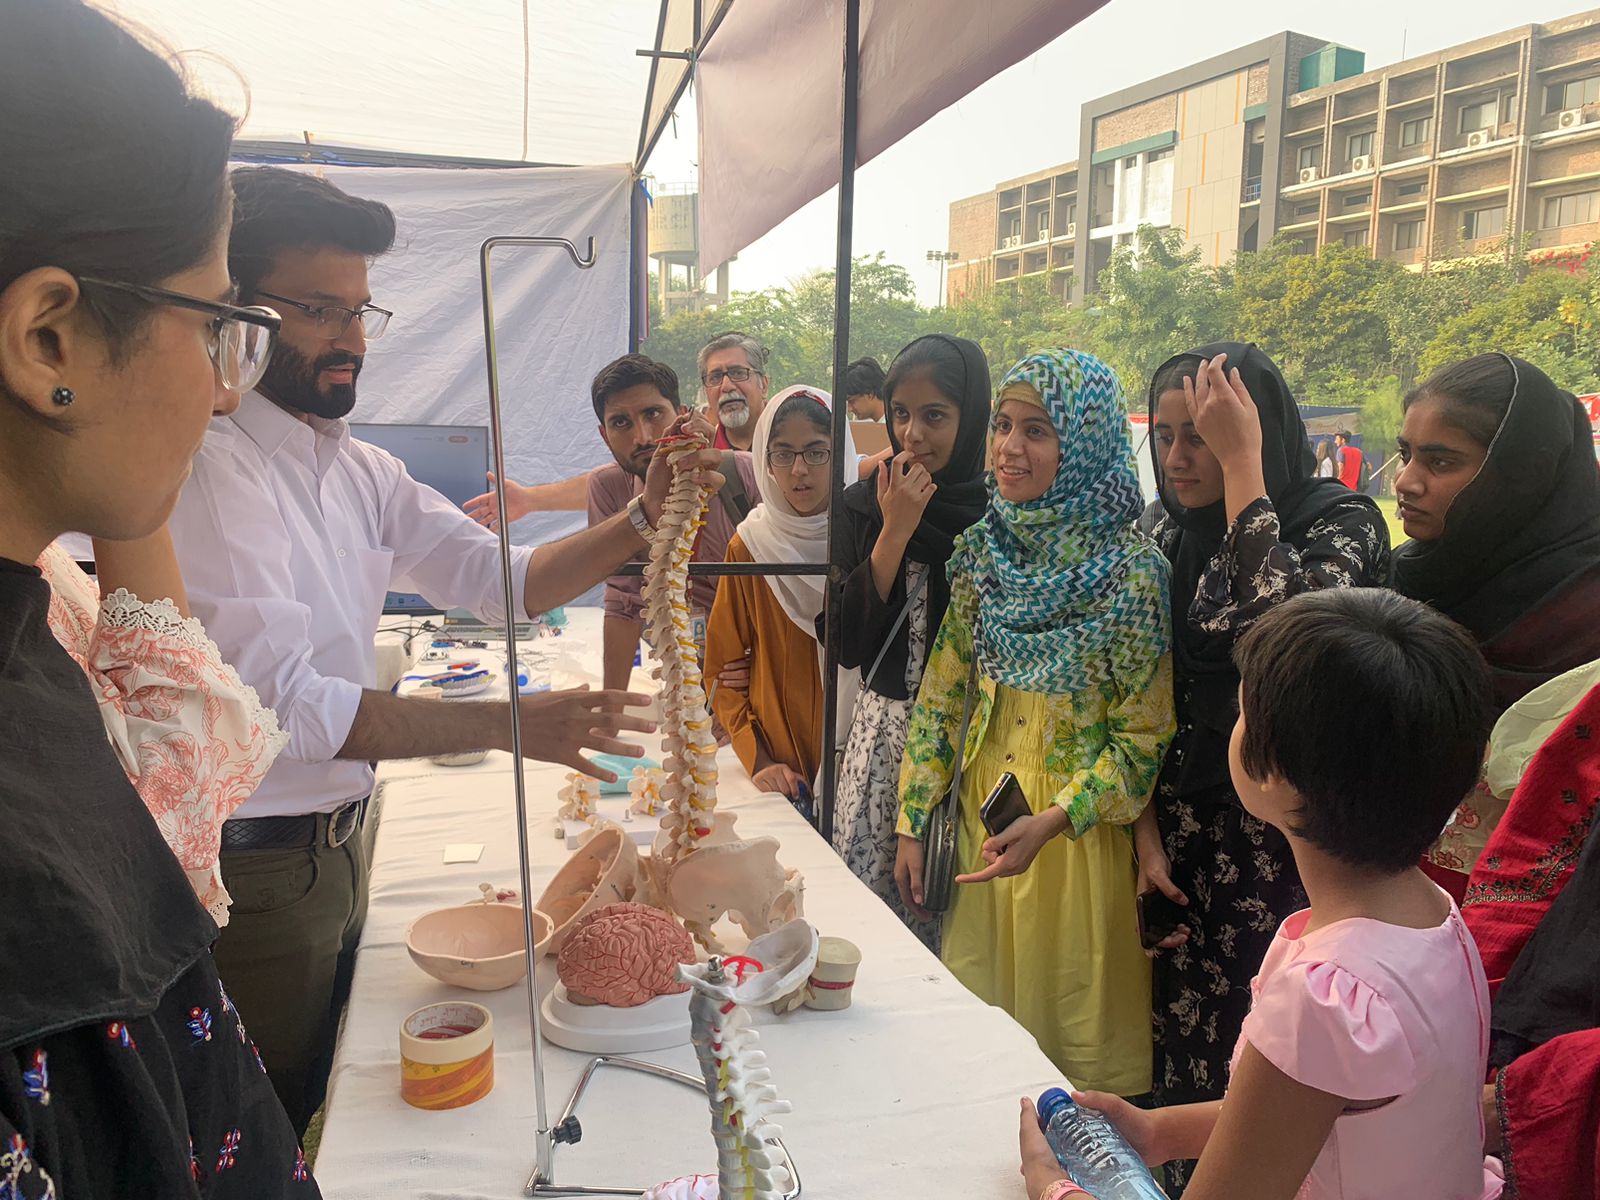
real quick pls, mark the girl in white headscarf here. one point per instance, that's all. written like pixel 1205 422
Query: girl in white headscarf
pixel 775 722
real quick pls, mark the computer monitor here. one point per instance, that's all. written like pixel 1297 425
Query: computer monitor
pixel 451 459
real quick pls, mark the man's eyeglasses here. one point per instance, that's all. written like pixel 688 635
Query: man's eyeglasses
pixel 332 320
pixel 817 456
pixel 737 374
pixel 241 338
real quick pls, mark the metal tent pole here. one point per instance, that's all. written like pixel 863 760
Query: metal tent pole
pixel 841 357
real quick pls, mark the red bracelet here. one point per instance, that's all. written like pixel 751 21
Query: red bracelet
pixel 1061 1189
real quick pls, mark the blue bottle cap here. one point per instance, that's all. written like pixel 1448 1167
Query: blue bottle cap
pixel 1050 1102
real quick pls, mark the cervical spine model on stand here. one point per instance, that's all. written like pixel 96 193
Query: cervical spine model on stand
pixel 698 868
pixel 738 1083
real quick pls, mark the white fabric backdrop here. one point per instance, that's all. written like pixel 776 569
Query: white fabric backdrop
pixel 768 93
pixel 557 325
pixel 427 76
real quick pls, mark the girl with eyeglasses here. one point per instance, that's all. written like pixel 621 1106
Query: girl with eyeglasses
pixel 775 722
pixel 124 1068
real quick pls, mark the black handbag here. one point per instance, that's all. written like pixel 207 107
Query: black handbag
pixel 944 819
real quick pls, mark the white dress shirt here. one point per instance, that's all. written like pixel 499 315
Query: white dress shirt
pixel 289 536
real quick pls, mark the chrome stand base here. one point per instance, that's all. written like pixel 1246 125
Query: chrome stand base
pixel 546 1187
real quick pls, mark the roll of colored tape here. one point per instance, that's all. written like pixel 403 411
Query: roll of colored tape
pixel 446 1055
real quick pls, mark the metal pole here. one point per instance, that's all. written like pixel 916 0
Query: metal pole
pixel 544 1141
pixel 841 357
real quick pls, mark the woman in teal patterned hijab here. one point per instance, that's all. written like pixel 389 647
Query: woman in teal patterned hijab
pixel 1067 588
pixel 1058 608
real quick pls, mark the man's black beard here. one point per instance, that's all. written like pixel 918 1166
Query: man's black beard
pixel 291 382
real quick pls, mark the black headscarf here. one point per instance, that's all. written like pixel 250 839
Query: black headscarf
pixel 962 493
pixel 1527 523
pixel 1207 681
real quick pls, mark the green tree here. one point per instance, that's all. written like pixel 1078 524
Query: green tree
pixel 1010 320
pixel 1551 318
pixel 1315 314
pixel 1156 300
pixel 1416 304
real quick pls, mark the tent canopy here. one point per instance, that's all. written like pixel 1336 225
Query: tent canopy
pixel 542 81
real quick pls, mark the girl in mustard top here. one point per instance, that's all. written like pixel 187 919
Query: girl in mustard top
pixel 775 722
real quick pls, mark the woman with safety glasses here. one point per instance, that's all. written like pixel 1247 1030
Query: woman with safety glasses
pixel 124 1068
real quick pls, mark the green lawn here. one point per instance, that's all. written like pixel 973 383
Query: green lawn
pixel 1397 535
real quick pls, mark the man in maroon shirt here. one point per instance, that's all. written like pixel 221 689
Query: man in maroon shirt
pixel 636 399
pixel 733 371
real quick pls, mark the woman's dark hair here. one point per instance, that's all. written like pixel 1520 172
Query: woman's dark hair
pixel 864 377
pixel 1172 374
pixel 275 209
pixel 946 369
pixel 1477 394
pixel 806 405
pixel 629 371
pixel 1375 709
pixel 112 166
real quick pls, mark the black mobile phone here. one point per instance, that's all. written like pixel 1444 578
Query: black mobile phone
pixel 1004 805
pixel 1159 916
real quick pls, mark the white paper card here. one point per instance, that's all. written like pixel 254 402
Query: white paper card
pixel 463 852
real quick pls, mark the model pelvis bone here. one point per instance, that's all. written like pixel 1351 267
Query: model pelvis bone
pixel 742 880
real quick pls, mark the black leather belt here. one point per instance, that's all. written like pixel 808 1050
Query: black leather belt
pixel 294 833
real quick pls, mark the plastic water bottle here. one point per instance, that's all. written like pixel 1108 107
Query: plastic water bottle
pixel 1093 1153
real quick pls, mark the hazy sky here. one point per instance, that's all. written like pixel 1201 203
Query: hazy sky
pixel 1027 118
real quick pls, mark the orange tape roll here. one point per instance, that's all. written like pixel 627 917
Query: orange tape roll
pixel 446 1055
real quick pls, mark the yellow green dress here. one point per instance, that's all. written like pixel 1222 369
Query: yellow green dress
pixel 1057 947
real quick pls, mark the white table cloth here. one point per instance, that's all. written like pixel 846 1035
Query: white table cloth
pixel 911 1092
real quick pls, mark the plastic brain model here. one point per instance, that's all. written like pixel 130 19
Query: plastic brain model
pixel 624 955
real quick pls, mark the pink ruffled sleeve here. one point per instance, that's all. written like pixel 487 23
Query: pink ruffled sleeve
pixel 1323 1027
pixel 194 739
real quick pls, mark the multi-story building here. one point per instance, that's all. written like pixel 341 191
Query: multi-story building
pixel 1490 144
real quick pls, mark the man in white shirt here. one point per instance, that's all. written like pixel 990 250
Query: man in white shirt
pixel 290 532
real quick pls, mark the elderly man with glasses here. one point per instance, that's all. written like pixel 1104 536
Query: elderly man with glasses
pixel 290 532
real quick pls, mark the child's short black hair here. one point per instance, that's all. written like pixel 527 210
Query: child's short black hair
pixel 1375 709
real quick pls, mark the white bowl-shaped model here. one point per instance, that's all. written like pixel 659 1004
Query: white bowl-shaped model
pixel 604 870
pixel 478 946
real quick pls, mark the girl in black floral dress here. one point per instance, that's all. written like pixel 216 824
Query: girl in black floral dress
pixel 1246 525
pixel 124 1069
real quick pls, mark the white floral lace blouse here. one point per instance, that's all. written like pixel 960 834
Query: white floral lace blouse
pixel 194 739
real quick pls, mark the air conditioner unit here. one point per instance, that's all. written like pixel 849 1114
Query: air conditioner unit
pixel 1361 162
pixel 1044 230
pixel 1012 242
pixel 1308 174
pixel 1570 118
pixel 1478 137
pixel 1072 229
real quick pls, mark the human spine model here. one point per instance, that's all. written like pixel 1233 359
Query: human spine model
pixel 738 1084
pixel 690 790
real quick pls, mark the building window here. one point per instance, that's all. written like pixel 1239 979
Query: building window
pixel 1359 145
pixel 1573 94
pixel 1580 208
pixel 1359 200
pixel 1416 132
pixel 1486 113
pixel 1356 237
pixel 1302 211
pixel 1408 234
pixel 1416 187
pixel 1309 156
pixel 1483 223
